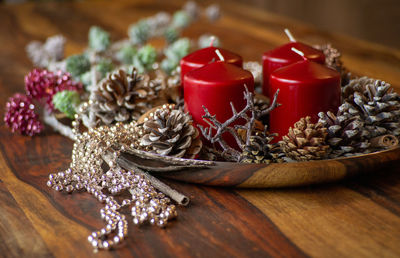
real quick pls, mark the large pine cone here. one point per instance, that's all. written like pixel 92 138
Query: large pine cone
pixel 376 103
pixel 306 141
pixel 170 132
pixel 346 133
pixel 121 96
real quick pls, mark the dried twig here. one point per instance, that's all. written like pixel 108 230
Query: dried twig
pixel 160 186
pixel 230 153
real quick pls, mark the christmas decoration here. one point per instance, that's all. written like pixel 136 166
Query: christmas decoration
pixel 67 101
pixel 122 96
pixel 77 65
pixel 130 121
pixel 126 54
pixel 168 131
pixel 249 127
pixel 145 58
pixel 104 66
pixel 44 54
pixel 171 34
pixel 20 115
pixel 99 39
pixel 333 60
pixel 260 149
pixel 42 84
pixel 174 54
pixel 139 32
pixel 148 204
pixel 181 19
pixel 346 134
pixel 376 103
pixel 306 141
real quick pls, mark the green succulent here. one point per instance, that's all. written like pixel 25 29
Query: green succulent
pixel 171 34
pixel 77 65
pixel 99 39
pixel 174 54
pixel 145 58
pixel 169 65
pixel 181 19
pixel 86 79
pixel 139 32
pixel 104 66
pixel 66 101
pixel 125 54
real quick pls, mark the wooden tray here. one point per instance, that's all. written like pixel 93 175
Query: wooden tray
pixel 287 174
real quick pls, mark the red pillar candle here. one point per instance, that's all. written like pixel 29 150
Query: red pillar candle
pixel 305 88
pixel 214 86
pixel 283 56
pixel 206 55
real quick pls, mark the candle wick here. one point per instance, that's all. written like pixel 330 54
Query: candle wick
pixel 212 41
pixel 289 35
pixel 220 55
pixel 300 53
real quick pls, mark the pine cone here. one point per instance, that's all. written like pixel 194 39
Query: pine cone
pixel 306 141
pixel 20 115
pixel 170 132
pixel 167 87
pixel 346 133
pixel 260 150
pixel 333 60
pixel 261 102
pixel 376 103
pixel 121 96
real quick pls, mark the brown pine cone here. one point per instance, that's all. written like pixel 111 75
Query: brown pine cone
pixel 260 150
pixel 170 132
pixel 121 96
pixel 346 133
pixel 376 103
pixel 170 88
pixel 333 60
pixel 306 141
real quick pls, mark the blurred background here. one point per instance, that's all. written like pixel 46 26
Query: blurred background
pixel 371 20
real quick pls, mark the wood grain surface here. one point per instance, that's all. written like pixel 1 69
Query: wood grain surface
pixel 359 217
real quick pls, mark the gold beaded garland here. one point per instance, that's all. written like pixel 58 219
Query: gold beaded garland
pixel 86 173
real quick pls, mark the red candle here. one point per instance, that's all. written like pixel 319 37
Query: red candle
pixel 206 55
pixel 305 88
pixel 283 56
pixel 214 86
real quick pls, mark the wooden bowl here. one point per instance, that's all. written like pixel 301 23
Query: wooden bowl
pixel 287 174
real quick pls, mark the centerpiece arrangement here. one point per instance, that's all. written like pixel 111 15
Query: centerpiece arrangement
pixel 135 111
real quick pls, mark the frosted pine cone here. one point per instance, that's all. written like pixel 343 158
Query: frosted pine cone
pixel 20 116
pixel 121 96
pixel 306 141
pixel 346 133
pixel 376 103
pixel 170 132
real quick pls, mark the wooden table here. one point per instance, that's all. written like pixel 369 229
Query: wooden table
pixel 355 218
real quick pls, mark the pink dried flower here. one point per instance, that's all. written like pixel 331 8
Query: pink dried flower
pixel 20 115
pixel 43 84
